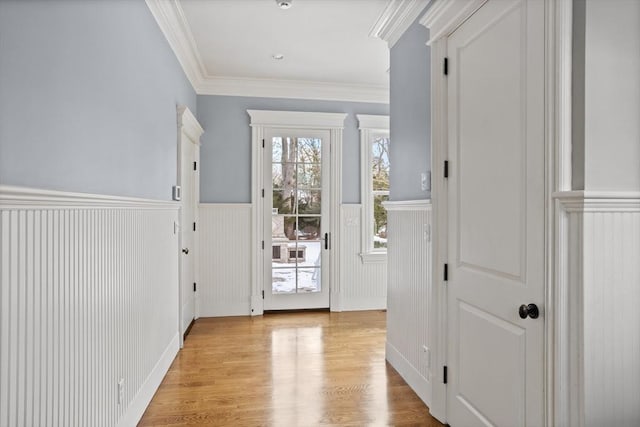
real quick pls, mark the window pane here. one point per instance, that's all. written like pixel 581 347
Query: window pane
pixel 283 280
pixel 309 280
pixel 276 149
pixel 309 150
pixel 379 221
pixel 309 175
pixel 309 228
pixel 380 163
pixel 309 202
pixel 283 202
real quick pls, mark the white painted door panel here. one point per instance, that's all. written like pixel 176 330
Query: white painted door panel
pixel 496 206
pixel 189 184
pixel 297 203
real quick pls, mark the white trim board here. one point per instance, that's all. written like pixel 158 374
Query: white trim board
pixel 297 119
pixel 141 401
pixel 419 384
pixel 407 205
pixel 15 197
pixel 396 19
pixel 172 22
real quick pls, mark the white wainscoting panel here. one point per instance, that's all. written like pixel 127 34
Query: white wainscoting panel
pixel 88 297
pixel 225 260
pixel 599 348
pixel 364 285
pixel 612 315
pixel 409 287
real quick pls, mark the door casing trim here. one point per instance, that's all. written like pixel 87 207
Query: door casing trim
pixel 189 132
pixel 267 119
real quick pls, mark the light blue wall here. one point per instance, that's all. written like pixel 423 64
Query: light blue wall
pixel 225 155
pixel 88 95
pixel 410 149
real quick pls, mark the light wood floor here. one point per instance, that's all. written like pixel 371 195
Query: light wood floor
pixel 291 369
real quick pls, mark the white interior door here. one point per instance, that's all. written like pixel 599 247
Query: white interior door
pixel 496 216
pixel 297 239
pixel 189 152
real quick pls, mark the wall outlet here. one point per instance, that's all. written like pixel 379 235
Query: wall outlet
pixel 121 391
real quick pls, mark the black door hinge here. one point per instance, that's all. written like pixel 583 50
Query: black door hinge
pixel 446 272
pixel 446 66
pixel 444 375
pixel 263 143
pixel 194 226
pixel 195 166
pixel 446 168
pixel 263 244
pixel 263 192
pixel 262 294
pixel 194 286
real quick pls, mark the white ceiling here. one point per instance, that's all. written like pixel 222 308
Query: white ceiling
pixel 321 40
pixel 333 49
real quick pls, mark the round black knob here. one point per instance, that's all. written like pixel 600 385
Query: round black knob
pixel 185 250
pixel 530 310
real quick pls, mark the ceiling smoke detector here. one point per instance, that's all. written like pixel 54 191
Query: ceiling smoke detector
pixel 284 4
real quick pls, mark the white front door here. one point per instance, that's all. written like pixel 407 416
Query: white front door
pixel 189 151
pixel 297 239
pixel 496 216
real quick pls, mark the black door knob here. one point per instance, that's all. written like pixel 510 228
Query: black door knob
pixel 530 310
pixel 185 250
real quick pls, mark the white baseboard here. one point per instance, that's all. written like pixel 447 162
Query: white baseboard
pixel 229 308
pixel 410 374
pixel 136 409
pixel 364 303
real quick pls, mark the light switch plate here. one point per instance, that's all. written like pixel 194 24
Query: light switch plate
pixel 425 181
pixel 177 193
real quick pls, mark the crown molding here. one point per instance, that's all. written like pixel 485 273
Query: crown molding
pixel 173 24
pixel 396 18
pixel 172 21
pixel 277 88
pixel 444 16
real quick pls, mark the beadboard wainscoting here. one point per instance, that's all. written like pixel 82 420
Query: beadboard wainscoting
pixel 598 336
pixel 225 260
pixel 364 285
pixel 225 263
pixel 88 306
pixel 408 293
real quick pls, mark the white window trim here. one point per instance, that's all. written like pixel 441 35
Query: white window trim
pixel 369 125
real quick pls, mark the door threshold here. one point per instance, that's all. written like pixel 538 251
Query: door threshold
pixel 298 310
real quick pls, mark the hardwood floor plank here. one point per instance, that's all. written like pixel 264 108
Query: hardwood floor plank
pixel 290 369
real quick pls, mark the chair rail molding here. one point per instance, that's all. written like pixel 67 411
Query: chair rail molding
pixel 442 19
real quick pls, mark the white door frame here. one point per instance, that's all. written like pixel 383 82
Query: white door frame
pixel 442 19
pixel 261 120
pixel 189 132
